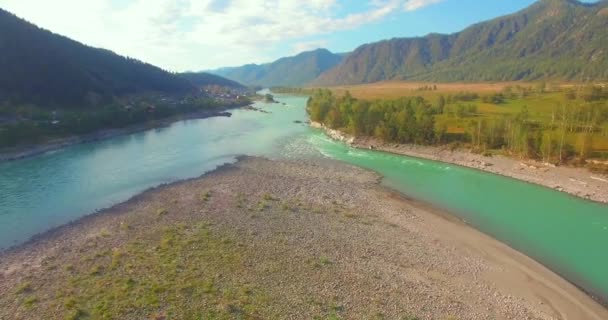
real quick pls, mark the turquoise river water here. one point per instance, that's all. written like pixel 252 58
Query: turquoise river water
pixel 567 234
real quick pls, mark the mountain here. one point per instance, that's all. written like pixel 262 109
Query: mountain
pixel 46 69
pixel 200 79
pixel 551 39
pixel 291 71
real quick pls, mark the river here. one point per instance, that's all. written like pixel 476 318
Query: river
pixel 567 234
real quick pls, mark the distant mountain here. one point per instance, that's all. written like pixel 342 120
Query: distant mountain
pixel 200 79
pixel 551 39
pixel 46 69
pixel 291 71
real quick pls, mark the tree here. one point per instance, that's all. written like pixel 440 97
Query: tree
pixel 563 128
pixel 440 133
pixel 460 111
pixel 383 132
pixel 441 103
pixel 269 98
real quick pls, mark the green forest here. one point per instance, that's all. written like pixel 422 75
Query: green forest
pixel 572 128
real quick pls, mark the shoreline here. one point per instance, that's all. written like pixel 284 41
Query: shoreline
pixel 443 213
pixel 74 224
pixel 503 281
pixel 578 182
pixel 17 153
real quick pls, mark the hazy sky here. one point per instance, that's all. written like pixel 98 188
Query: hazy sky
pixel 181 35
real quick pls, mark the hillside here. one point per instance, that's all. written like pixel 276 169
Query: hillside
pixel 46 69
pixel 551 39
pixel 290 71
pixel 203 78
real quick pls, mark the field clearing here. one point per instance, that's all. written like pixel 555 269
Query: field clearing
pixel 397 89
pixel 540 106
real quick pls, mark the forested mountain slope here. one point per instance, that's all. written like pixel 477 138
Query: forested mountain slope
pixel 551 39
pixel 46 69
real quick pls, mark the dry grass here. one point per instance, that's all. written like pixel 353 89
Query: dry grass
pixel 397 89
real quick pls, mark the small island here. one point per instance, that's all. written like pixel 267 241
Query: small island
pixel 268 98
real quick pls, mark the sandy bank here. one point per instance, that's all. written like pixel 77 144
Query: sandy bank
pixel 279 240
pixel 575 181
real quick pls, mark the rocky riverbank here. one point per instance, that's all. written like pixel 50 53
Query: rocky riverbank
pixel 56 144
pixel 575 181
pixel 265 239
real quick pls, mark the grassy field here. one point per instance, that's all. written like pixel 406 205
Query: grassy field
pixel 398 89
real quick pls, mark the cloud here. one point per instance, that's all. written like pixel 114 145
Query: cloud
pixel 308 46
pixel 197 34
pixel 412 5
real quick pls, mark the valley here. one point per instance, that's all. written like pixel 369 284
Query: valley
pixel 327 160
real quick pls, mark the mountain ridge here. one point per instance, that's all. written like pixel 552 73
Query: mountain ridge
pixel 48 69
pixel 538 42
pixel 295 70
pixel 199 79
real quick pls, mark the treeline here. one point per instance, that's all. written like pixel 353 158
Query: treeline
pixel 292 90
pixel 406 120
pixel 428 88
pixel 567 135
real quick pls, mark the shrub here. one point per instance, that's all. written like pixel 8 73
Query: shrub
pixel 268 197
pixel 24 288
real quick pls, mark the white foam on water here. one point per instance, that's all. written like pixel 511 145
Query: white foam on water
pixel 414 162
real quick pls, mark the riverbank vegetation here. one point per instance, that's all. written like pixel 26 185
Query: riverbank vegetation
pixel 552 124
pixel 28 124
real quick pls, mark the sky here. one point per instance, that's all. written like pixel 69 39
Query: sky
pixel 194 35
